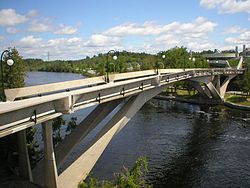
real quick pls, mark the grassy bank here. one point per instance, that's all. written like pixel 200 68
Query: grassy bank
pixel 238 99
pixel 184 93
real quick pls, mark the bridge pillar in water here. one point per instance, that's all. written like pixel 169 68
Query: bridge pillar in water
pixel 23 157
pixel 50 179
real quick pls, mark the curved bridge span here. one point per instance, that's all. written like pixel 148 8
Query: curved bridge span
pixel 126 92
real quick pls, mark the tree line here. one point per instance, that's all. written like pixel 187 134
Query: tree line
pixel 127 61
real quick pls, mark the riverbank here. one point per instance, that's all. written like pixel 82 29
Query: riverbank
pixel 87 73
pixel 234 101
pixel 186 100
pixel 237 106
pixel 237 100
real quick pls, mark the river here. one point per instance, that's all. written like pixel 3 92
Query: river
pixel 186 145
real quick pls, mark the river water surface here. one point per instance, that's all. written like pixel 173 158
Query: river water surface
pixel 186 145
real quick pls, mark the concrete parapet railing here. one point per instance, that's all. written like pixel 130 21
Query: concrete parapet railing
pixel 39 90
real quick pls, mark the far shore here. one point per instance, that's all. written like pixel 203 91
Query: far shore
pixel 233 99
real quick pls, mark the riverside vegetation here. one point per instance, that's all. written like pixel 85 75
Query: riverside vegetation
pixel 177 57
pixel 133 178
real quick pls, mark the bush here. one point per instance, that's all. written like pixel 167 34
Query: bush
pixel 133 178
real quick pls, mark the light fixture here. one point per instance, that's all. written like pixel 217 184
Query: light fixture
pixel 114 57
pixel 107 66
pixel 9 62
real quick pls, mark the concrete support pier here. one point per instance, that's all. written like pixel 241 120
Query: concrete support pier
pixel 50 180
pixel 23 158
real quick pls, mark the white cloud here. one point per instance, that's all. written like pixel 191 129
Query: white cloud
pixel 64 41
pixel 30 41
pixel 210 3
pixel 39 26
pixel 240 37
pixel 152 37
pixel 100 40
pixel 235 30
pixel 148 28
pixel 59 48
pixel 199 25
pixel 227 6
pixel 12 30
pixel 243 38
pixel 31 14
pixel 9 17
pixel 66 30
pixel 194 35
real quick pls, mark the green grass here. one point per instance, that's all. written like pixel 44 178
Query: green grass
pixel 182 93
pixel 238 99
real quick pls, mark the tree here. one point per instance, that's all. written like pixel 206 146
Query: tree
pixel 57 122
pixel 133 178
pixel 71 124
pixel 13 76
pixel 245 82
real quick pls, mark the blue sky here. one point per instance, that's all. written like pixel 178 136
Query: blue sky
pixel 76 29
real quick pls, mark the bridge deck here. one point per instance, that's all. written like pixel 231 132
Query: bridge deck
pixel 45 102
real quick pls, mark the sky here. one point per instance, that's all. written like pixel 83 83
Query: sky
pixel 78 28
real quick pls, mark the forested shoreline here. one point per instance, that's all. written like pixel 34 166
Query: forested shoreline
pixel 178 57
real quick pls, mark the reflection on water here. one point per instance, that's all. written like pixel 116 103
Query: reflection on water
pixel 37 78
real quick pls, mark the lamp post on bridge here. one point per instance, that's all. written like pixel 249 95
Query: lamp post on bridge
pixel 9 62
pixel 107 65
pixel 191 58
pixel 157 64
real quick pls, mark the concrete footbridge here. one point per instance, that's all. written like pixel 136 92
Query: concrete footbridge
pixel 125 92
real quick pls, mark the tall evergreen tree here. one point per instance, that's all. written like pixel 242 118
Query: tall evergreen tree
pixel 13 76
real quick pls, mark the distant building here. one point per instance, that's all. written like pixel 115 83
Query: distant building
pixel 218 59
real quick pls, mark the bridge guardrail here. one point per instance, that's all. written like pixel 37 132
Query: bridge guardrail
pixel 39 90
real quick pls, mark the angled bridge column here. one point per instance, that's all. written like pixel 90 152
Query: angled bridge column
pixel 23 157
pixel 224 85
pixel 80 132
pixel 50 171
pixel 213 87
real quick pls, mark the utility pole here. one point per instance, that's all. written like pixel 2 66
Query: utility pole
pixel 48 56
pixel 236 51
